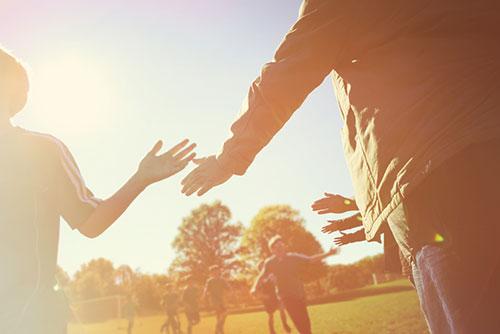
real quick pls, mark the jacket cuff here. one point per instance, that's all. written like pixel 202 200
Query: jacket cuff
pixel 232 164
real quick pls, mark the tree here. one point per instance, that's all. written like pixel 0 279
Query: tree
pixel 287 222
pixel 95 279
pixel 206 237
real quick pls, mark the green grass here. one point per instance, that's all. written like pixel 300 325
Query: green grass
pixel 395 312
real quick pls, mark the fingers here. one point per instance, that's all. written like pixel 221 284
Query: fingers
pixel 184 152
pixel 205 189
pixel 188 159
pixel 177 147
pixel 156 148
pixel 191 183
pixel 180 165
pixel 329 228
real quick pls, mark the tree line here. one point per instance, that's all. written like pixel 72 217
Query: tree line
pixel 209 236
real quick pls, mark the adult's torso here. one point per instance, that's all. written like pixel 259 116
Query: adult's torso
pixel 416 85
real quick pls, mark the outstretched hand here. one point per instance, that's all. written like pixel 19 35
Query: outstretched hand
pixel 333 226
pixel 344 239
pixel 154 167
pixel 333 203
pixel 334 251
pixel 207 175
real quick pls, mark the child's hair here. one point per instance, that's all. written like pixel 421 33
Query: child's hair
pixel 274 240
pixel 14 83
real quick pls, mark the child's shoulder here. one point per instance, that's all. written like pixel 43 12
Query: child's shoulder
pixel 43 141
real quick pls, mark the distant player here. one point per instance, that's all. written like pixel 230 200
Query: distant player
pixel 190 300
pixel 130 310
pixel 271 301
pixel 171 306
pixel 214 292
pixel 285 267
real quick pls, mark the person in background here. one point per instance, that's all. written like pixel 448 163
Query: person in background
pixel 170 304
pixel 267 293
pixel 130 311
pixel 395 262
pixel 215 290
pixel 191 300
pixel 285 267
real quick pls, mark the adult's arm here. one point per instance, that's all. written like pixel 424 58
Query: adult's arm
pixel 306 56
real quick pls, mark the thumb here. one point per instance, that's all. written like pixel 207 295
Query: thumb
pixel 199 161
pixel 156 148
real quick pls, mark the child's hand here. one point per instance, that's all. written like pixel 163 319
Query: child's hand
pixel 334 251
pixel 154 168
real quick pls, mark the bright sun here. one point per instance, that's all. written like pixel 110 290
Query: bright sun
pixel 73 92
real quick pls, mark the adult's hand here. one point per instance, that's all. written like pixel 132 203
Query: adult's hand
pixel 333 203
pixel 207 175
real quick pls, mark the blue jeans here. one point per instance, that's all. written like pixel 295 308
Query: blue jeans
pixel 449 228
pixel 438 290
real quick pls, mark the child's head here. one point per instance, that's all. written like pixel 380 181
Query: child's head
pixel 277 245
pixel 14 85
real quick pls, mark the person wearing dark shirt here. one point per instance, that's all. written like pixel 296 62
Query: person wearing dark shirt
pixel 214 292
pixel 130 310
pixel 267 290
pixel 285 268
pixel 40 183
pixel 171 305
pixel 191 299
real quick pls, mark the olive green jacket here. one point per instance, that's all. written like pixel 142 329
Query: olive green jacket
pixel 416 82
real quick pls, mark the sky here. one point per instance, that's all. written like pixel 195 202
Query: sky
pixel 111 77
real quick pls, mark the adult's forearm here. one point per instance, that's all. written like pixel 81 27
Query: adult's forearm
pixel 109 210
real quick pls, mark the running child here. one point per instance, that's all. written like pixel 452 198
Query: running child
pixel 285 267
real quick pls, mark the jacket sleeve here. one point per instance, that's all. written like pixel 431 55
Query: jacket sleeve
pixel 305 57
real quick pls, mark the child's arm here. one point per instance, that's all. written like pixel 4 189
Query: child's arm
pixel 320 257
pixel 153 168
pixel 259 280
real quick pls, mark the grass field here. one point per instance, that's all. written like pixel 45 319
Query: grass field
pixel 394 312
